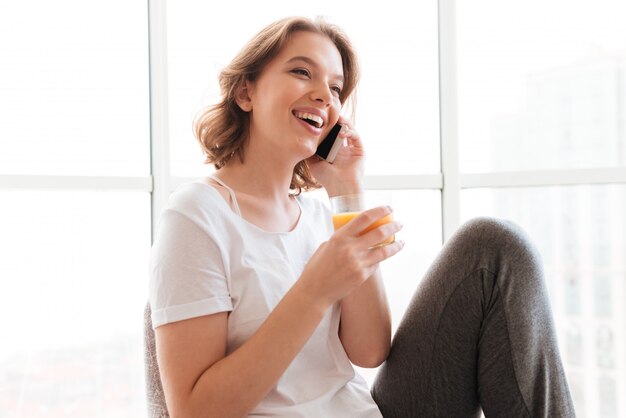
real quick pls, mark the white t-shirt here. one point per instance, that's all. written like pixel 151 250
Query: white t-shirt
pixel 207 259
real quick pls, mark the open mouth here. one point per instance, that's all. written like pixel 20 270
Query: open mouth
pixel 313 120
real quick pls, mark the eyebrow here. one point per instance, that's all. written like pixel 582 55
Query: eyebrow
pixel 312 63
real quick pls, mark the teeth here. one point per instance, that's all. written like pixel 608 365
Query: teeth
pixel 315 118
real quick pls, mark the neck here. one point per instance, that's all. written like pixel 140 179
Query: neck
pixel 261 175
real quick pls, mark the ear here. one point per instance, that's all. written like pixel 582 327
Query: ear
pixel 244 96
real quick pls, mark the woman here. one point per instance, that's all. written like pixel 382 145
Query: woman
pixel 260 309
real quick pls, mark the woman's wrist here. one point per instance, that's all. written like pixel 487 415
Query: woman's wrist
pixel 346 188
pixel 307 292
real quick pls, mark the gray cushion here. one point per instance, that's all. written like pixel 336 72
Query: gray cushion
pixel 154 388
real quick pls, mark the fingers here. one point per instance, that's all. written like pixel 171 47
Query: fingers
pixel 348 132
pixel 377 255
pixel 372 227
pixel 347 129
pixel 343 121
pixel 360 223
pixel 380 234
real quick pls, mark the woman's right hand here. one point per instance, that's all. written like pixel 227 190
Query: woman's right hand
pixel 347 259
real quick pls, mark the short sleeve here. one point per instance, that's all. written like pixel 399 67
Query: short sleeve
pixel 187 275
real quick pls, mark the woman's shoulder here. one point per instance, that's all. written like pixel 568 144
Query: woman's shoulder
pixel 197 200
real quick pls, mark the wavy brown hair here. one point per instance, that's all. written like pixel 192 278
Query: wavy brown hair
pixel 222 129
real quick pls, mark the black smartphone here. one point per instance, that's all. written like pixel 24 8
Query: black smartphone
pixel 328 148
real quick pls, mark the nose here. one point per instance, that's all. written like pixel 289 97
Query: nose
pixel 322 94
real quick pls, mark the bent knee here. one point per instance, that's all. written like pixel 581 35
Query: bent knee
pixel 499 235
pixel 485 225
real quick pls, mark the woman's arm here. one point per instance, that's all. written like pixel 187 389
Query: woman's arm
pixel 200 380
pixel 365 328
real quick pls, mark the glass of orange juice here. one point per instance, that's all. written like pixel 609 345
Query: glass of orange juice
pixel 347 207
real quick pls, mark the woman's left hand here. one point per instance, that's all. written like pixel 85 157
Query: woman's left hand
pixel 345 174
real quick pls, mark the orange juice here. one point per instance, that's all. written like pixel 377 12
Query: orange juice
pixel 340 219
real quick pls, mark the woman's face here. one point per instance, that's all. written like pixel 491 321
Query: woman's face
pixel 295 100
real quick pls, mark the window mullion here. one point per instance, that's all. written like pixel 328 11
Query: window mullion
pixel 450 195
pixel 159 111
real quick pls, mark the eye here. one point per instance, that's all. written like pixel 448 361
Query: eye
pixel 301 71
pixel 336 89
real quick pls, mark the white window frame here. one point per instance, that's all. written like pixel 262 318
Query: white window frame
pixel 450 181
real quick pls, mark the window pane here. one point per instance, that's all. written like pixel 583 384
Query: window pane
pixel 581 233
pixel 541 84
pixel 74 88
pixel 397 111
pixel 73 285
pixel 420 213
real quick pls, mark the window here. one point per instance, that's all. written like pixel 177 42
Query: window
pixel 590 327
pixel 74 91
pixel 542 142
pixel 519 107
pixel 74 207
pixel 541 86
pixel 397 110
pixel 72 274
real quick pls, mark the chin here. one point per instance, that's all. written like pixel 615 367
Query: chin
pixel 307 148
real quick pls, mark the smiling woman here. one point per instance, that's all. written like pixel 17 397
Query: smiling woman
pixel 223 128
pixel 306 70
pixel 236 338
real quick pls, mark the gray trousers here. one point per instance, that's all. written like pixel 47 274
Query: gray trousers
pixel 478 334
